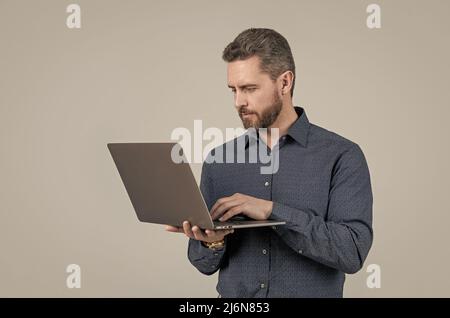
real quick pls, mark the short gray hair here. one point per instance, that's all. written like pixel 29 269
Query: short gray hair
pixel 270 46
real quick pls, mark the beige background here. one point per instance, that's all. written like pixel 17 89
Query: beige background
pixel 138 69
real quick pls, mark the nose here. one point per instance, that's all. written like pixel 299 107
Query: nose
pixel 240 100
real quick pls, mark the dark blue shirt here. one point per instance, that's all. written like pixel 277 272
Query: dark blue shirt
pixel 321 189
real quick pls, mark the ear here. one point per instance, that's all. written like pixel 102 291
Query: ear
pixel 286 80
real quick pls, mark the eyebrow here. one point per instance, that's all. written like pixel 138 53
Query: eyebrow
pixel 244 86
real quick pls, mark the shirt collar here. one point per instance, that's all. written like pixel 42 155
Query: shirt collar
pixel 298 130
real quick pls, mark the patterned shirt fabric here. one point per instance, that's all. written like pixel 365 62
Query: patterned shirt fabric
pixel 321 190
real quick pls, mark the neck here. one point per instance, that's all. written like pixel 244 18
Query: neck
pixel 285 119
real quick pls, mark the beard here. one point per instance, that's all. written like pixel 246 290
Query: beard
pixel 266 118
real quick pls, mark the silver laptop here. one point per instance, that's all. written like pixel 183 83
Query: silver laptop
pixel 165 192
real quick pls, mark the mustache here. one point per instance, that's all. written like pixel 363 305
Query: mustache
pixel 244 111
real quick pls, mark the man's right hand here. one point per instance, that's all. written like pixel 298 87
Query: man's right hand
pixel 198 234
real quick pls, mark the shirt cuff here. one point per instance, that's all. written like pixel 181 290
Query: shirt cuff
pixel 294 218
pixel 201 251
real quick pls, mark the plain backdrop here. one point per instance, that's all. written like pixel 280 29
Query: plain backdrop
pixel 138 69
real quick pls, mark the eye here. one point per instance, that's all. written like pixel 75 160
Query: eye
pixel 250 89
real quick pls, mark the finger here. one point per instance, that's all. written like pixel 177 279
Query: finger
pixel 229 232
pixel 176 229
pixel 230 213
pixel 227 206
pixel 214 233
pixel 198 234
pixel 187 229
pixel 224 207
pixel 221 201
pixel 214 207
pixel 217 235
pixel 226 232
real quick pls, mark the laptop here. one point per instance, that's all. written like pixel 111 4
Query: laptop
pixel 164 192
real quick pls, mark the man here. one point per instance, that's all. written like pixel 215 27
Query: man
pixel 321 190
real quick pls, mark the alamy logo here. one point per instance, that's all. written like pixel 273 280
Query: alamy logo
pixel 73 20
pixel 374 19
pixel 374 279
pixel 190 146
pixel 74 278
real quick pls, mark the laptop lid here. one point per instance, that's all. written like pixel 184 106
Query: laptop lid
pixel 161 191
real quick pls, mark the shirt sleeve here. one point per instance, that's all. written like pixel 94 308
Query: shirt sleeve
pixel 206 260
pixel 344 238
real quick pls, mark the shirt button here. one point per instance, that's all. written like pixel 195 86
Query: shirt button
pixel 216 254
pixel 262 285
pixel 274 227
pixel 266 184
pixel 264 251
pixel 300 251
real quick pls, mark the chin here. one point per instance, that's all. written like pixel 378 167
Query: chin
pixel 250 124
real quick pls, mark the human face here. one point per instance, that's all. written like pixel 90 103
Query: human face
pixel 256 96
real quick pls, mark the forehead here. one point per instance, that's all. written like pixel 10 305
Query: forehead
pixel 241 72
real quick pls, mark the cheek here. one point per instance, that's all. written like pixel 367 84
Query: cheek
pixel 263 100
pixel 259 99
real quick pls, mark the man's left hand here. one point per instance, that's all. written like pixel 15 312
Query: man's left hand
pixel 227 207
